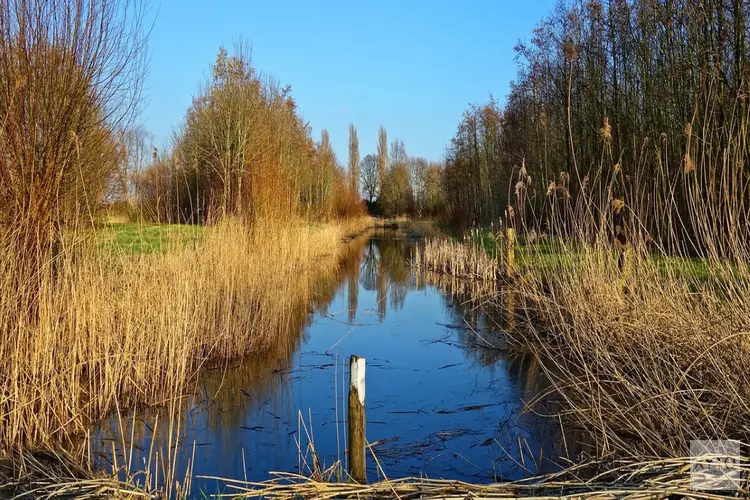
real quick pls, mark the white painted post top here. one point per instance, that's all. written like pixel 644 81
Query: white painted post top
pixel 357 377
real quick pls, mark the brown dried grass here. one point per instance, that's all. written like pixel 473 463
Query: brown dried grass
pixel 120 330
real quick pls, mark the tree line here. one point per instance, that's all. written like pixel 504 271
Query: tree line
pixel 637 100
pixel 244 150
pixel 634 100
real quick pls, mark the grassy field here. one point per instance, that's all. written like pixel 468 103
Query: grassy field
pixel 545 254
pixel 135 238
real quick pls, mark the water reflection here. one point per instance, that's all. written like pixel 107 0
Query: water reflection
pixel 439 402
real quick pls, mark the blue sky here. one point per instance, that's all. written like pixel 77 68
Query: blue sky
pixel 412 66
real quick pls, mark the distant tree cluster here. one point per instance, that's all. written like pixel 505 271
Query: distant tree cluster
pixel 396 184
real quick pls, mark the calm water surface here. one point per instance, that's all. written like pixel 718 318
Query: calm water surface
pixel 439 403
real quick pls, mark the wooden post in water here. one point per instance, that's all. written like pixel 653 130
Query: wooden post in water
pixel 510 244
pixel 357 462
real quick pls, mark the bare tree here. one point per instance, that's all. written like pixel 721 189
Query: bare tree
pixel 327 166
pixel 396 193
pixel 382 156
pixel 70 77
pixel 135 144
pixel 397 197
pixel 418 168
pixel 369 169
pixel 433 198
pixel 353 159
pixel 398 156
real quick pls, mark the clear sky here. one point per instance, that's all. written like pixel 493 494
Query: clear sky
pixel 412 66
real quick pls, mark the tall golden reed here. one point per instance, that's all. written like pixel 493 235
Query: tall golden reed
pixel 119 330
pixel 638 301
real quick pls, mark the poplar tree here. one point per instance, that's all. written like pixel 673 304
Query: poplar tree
pixel 382 156
pixel 353 159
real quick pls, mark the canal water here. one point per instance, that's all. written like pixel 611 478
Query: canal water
pixel 444 398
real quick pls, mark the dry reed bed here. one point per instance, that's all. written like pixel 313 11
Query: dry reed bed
pixel 654 479
pixel 56 475
pixel 457 260
pixel 647 359
pixel 113 331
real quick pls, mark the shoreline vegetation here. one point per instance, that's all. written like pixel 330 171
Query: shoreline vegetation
pixel 645 356
pixel 129 330
pixel 639 480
